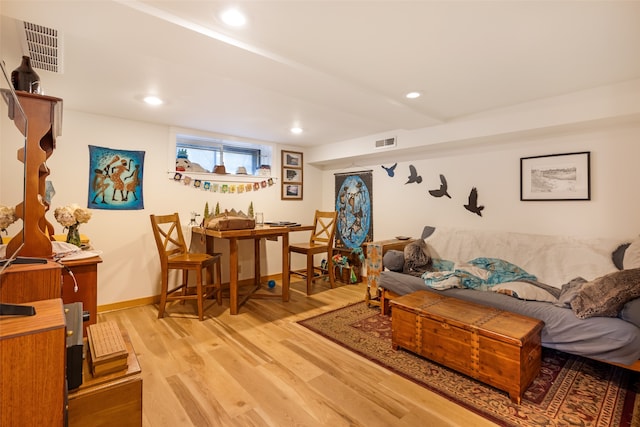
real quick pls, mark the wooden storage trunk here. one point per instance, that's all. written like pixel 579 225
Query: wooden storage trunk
pixel 494 346
pixel 223 224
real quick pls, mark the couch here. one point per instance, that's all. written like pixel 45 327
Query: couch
pixel 585 290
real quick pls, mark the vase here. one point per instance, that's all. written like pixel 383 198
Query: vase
pixel 24 77
pixel 73 235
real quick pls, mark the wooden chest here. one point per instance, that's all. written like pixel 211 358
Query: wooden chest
pixel 494 346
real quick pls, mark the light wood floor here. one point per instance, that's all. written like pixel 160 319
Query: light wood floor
pixel 260 368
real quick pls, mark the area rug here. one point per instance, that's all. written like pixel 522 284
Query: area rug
pixel 569 391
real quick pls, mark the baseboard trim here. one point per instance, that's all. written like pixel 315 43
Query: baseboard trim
pixel 155 299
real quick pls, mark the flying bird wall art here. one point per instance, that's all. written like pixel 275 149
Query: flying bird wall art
pixel 413 177
pixel 472 206
pixel 442 191
pixel 390 170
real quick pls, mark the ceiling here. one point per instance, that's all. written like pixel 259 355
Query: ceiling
pixel 338 69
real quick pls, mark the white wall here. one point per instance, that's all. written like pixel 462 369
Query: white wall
pixel 130 268
pixel 494 168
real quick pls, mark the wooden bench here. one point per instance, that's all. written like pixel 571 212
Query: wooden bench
pixel 494 346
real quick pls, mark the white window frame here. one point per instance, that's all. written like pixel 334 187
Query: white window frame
pixel 216 140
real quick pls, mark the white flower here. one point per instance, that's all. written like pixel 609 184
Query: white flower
pixel 72 215
pixel 82 215
pixel 7 216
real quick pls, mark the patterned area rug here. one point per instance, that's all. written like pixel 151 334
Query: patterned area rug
pixel 569 391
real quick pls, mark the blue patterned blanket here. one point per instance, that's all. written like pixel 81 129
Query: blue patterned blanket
pixel 479 273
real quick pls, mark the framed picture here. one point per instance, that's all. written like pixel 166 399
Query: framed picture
pixel 556 177
pixel 291 191
pixel 291 159
pixel 291 175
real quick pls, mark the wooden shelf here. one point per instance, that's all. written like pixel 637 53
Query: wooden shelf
pixel 44 118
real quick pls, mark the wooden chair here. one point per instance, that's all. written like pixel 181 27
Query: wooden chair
pixel 174 255
pixel 321 241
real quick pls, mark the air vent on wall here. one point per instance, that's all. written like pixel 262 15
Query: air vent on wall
pixel 44 46
pixel 385 143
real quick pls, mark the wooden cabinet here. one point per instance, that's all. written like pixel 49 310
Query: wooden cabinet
pixel 32 367
pixel 108 400
pixel 85 272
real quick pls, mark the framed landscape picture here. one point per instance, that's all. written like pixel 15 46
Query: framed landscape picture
pixel 291 159
pixel 291 175
pixel 556 177
pixel 291 191
pixel 292 180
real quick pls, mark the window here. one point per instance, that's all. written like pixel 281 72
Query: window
pixel 204 154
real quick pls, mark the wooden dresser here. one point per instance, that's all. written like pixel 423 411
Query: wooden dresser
pixel 494 346
pixel 85 272
pixel 31 282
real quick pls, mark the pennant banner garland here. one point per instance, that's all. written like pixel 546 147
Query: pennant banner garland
pixel 223 187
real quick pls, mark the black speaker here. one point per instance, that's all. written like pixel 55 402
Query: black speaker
pixel 73 314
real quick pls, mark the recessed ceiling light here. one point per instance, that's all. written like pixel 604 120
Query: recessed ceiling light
pixel 234 17
pixel 296 130
pixel 413 95
pixel 153 100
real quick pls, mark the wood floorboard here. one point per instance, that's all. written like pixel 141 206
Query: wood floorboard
pixel 260 368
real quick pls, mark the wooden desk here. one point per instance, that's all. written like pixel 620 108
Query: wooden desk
pixel 258 233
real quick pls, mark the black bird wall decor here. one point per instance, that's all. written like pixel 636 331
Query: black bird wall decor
pixel 414 177
pixel 472 206
pixel 442 191
pixel 390 170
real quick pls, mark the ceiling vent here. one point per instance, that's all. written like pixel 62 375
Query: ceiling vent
pixel 386 143
pixel 44 46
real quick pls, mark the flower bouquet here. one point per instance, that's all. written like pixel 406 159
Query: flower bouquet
pixel 70 217
pixel 7 217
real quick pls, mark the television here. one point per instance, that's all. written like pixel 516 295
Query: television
pixel 13 136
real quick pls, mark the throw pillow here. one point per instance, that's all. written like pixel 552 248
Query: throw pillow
pixel 607 295
pixel 632 255
pixel 393 260
pixel 524 291
pixel 617 256
pixel 631 312
pixel 416 257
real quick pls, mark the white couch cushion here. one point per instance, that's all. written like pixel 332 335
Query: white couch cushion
pixel 632 255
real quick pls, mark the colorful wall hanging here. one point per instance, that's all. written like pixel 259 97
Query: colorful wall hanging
pixel 222 187
pixel 354 202
pixel 115 179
